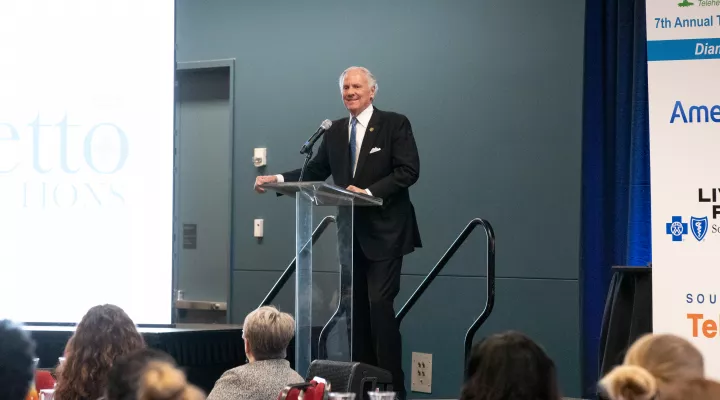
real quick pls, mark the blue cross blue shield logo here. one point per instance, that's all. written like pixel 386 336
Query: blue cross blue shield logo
pixel 676 228
pixel 699 227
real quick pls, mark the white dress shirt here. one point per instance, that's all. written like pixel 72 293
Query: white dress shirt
pixel 363 120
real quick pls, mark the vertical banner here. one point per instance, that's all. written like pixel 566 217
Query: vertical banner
pixel 683 51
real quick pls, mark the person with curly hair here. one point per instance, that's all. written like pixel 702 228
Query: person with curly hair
pixel 17 351
pixel 105 333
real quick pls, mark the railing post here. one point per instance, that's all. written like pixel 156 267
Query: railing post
pixel 490 292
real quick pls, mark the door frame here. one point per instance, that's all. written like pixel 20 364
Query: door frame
pixel 200 66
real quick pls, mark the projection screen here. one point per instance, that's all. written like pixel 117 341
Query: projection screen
pixel 86 158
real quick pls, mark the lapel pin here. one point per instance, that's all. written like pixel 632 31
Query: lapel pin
pixel 372 129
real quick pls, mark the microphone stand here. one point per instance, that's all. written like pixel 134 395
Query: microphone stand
pixel 308 156
pixel 307 148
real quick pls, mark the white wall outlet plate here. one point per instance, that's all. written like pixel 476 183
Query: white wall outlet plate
pixel 421 373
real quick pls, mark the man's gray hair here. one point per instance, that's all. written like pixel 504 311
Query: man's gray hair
pixel 268 332
pixel 370 77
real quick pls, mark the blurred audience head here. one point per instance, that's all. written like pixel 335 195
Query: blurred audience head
pixel 666 357
pixel 267 333
pixel 509 366
pixel 105 333
pixel 17 351
pixel 664 365
pixel 149 374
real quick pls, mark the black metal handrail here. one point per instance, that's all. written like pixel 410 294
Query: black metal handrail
pixel 490 296
pixel 490 282
pixel 325 331
pixel 447 256
pixel 291 268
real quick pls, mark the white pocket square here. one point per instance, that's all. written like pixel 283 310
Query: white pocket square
pixel 375 150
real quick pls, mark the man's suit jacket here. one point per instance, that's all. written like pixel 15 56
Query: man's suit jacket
pixel 391 230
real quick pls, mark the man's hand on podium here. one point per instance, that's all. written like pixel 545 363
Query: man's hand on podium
pixel 261 180
pixel 356 189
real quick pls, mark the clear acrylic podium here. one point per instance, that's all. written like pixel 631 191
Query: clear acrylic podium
pixel 308 195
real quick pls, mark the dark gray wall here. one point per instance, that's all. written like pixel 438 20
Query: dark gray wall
pixel 493 90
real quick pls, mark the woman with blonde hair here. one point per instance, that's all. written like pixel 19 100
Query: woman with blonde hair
pixel 665 367
pixel 149 375
pixel 267 333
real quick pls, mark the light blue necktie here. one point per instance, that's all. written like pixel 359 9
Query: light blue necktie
pixel 353 146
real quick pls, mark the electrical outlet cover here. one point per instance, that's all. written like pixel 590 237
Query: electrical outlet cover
pixel 421 373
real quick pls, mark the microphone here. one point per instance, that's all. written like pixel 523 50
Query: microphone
pixel 307 147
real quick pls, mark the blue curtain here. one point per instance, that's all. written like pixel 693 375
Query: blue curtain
pixel 616 162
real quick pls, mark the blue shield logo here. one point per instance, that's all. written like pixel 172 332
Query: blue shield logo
pixel 699 227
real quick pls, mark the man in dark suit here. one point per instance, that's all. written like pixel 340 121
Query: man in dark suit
pixel 371 152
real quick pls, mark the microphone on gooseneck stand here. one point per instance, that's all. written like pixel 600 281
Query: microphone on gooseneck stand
pixel 307 148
